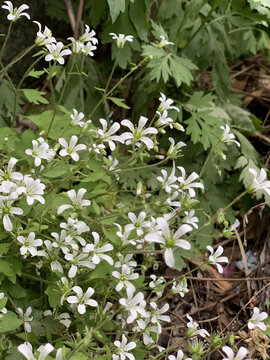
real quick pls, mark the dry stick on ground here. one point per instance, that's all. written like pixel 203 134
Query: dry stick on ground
pixel 71 15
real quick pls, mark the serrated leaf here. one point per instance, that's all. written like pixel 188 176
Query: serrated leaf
pixel 180 68
pixel 35 96
pixel 119 102
pixel 201 100
pixel 116 6
pixel 9 322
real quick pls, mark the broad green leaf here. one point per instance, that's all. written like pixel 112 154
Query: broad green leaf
pixel 116 6
pixel 101 271
pixel 9 322
pixel 3 302
pixel 54 295
pixel 138 17
pixel 119 102
pixel 8 270
pixel 4 248
pixel 201 100
pixel 35 96
pixel 56 170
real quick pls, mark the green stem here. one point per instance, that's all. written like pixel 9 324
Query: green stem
pixel 32 277
pixel 6 40
pixel 82 84
pixel 208 158
pixel 17 59
pixel 115 86
pixel 61 96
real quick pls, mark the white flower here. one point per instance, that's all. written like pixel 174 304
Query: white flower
pixel 191 219
pixel 40 151
pixel 258 181
pixel 98 251
pixel 157 315
pixel 164 42
pixel 74 227
pixel 166 104
pixel 168 182
pixel 71 148
pixel 6 210
pixel 215 258
pixel 45 37
pixel 121 39
pixel 164 120
pixel 180 288
pixel 82 299
pixel 29 243
pixel 76 118
pixel 56 53
pixel 242 352
pixel 123 349
pixel 175 150
pixel 138 134
pixel 257 319
pixel 88 49
pixel 106 134
pixel 88 36
pixel 187 183
pixel 3 310
pixel 77 201
pixel 124 278
pixel 78 259
pixel 26 318
pixel 125 260
pixel 9 178
pixel 77 46
pixel 15 13
pixel 179 356
pixel 54 264
pixel 193 329
pixel 169 240
pixel 226 136
pixel 26 350
pixel 138 223
pixel 145 329
pixel 135 305
pixel 33 190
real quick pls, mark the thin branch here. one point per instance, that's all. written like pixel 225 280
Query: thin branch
pixel 79 19
pixel 71 15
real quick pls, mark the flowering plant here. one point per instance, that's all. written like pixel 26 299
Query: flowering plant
pixel 79 251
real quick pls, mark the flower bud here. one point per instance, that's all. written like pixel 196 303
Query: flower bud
pixel 178 126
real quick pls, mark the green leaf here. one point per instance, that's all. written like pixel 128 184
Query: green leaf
pixel 9 322
pixel 200 100
pixel 116 6
pixel 119 102
pixel 36 73
pixel 35 96
pixel 138 17
pixel 180 69
pixel 54 295
pixel 80 356
pixel 101 271
pixel 3 302
pixel 56 170
pixel 4 248
pixel 7 269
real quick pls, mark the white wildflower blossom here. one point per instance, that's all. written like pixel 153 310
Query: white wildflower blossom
pixel 187 183
pixel 106 135
pixel 26 350
pixel 180 288
pixel 258 181
pixel 71 149
pixel 257 319
pixel 191 219
pixel 56 53
pixel 175 149
pixel 88 49
pixel 78 259
pixel 29 244
pixel 138 223
pixel 88 36
pixel 78 203
pixel 40 151
pixel 166 104
pixel 193 329
pixel 27 319
pixel 123 349
pixel 138 133
pixel 179 356
pixel 168 183
pixel 241 354
pixel 97 251
pixel 76 118
pixel 121 39
pixel 164 42
pixel 164 120
pixel 7 210
pixel 134 305
pixel 143 327
pixel 124 279
pixel 216 259
pixel 81 299
pixel 33 190
pixel 45 37
pixel 157 315
pixel 15 13
pixel 77 46
pixel 8 177
pixel 125 260
pixel 227 136
pixel 169 239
